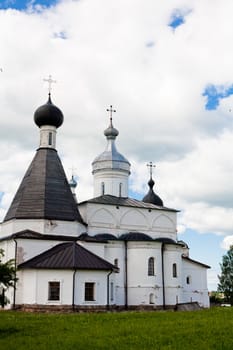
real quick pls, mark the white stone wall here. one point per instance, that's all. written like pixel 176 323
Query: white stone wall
pixel 111 181
pixel 56 227
pixel 118 220
pixel 197 289
pixel 34 286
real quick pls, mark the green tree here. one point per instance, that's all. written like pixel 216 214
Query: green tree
pixel 7 277
pixel 226 278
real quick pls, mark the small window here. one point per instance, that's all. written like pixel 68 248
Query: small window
pixel 54 291
pixel 151 266
pixel 50 139
pixel 188 280
pixel 174 270
pixel 102 188
pixel 89 291
pixel 120 189
pixel 112 291
pixel 152 298
pixel 116 262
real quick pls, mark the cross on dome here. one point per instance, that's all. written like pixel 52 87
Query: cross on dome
pixel 110 110
pixel 50 81
pixel 150 166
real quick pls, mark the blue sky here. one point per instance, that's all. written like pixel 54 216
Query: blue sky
pixel 23 4
pixel 167 69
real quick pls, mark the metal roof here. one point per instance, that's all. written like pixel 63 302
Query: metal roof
pixel 127 202
pixel 68 256
pixel 195 262
pixel 44 192
pixel 135 236
pixel 29 234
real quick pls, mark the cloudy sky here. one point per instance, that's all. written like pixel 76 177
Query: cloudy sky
pixel 165 66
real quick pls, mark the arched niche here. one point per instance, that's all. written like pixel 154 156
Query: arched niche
pixel 135 219
pixel 102 218
pixel 163 223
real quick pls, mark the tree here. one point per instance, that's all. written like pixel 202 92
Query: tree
pixel 7 277
pixel 226 278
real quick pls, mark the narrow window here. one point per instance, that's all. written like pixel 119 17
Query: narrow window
pixel 89 291
pixel 112 291
pixel 188 280
pixel 174 270
pixel 151 266
pixel 151 298
pixel 54 291
pixel 50 138
pixel 102 188
pixel 116 262
pixel 120 189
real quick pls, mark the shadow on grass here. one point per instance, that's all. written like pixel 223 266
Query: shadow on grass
pixel 4 333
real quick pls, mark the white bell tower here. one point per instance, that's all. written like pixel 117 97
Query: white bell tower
pixel 111 169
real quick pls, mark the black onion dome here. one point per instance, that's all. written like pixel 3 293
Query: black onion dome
pixel 48 114
pixel 151 197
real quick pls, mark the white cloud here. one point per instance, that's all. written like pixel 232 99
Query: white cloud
pixel 227 242
pixel 99 54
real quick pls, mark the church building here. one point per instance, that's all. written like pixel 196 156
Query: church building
pixel 108 252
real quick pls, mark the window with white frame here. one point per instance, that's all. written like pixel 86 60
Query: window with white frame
pixel 89 294
pixel 151 266
pixel 54 291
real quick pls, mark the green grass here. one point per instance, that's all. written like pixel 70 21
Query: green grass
pixel 206 329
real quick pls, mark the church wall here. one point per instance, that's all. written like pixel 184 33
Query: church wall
pixel 35 287
pixel 173 285
pixel 99 278
pixel 96 248
pixel 111 182
pixel 105 218
pixel 142 288
pixel 196 289
pixel 8 247
pixel 58 227
pixel 116 250
pixel 28 248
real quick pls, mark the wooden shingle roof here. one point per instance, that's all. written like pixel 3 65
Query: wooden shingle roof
pixel 44 192
pixel 68 256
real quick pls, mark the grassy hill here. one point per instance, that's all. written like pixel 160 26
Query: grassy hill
pixel 205 329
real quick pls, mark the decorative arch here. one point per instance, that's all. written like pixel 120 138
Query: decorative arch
pixel 163 222
pixel 102 218
pixel 134 218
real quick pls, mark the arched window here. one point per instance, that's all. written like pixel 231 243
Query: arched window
pixel 151 298
pixel 120 189
pixel 102 188
pixel 50 138
pixel 174 270
pixel 116 262
pixel 151 266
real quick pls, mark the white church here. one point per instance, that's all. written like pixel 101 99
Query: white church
pixel 108 252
